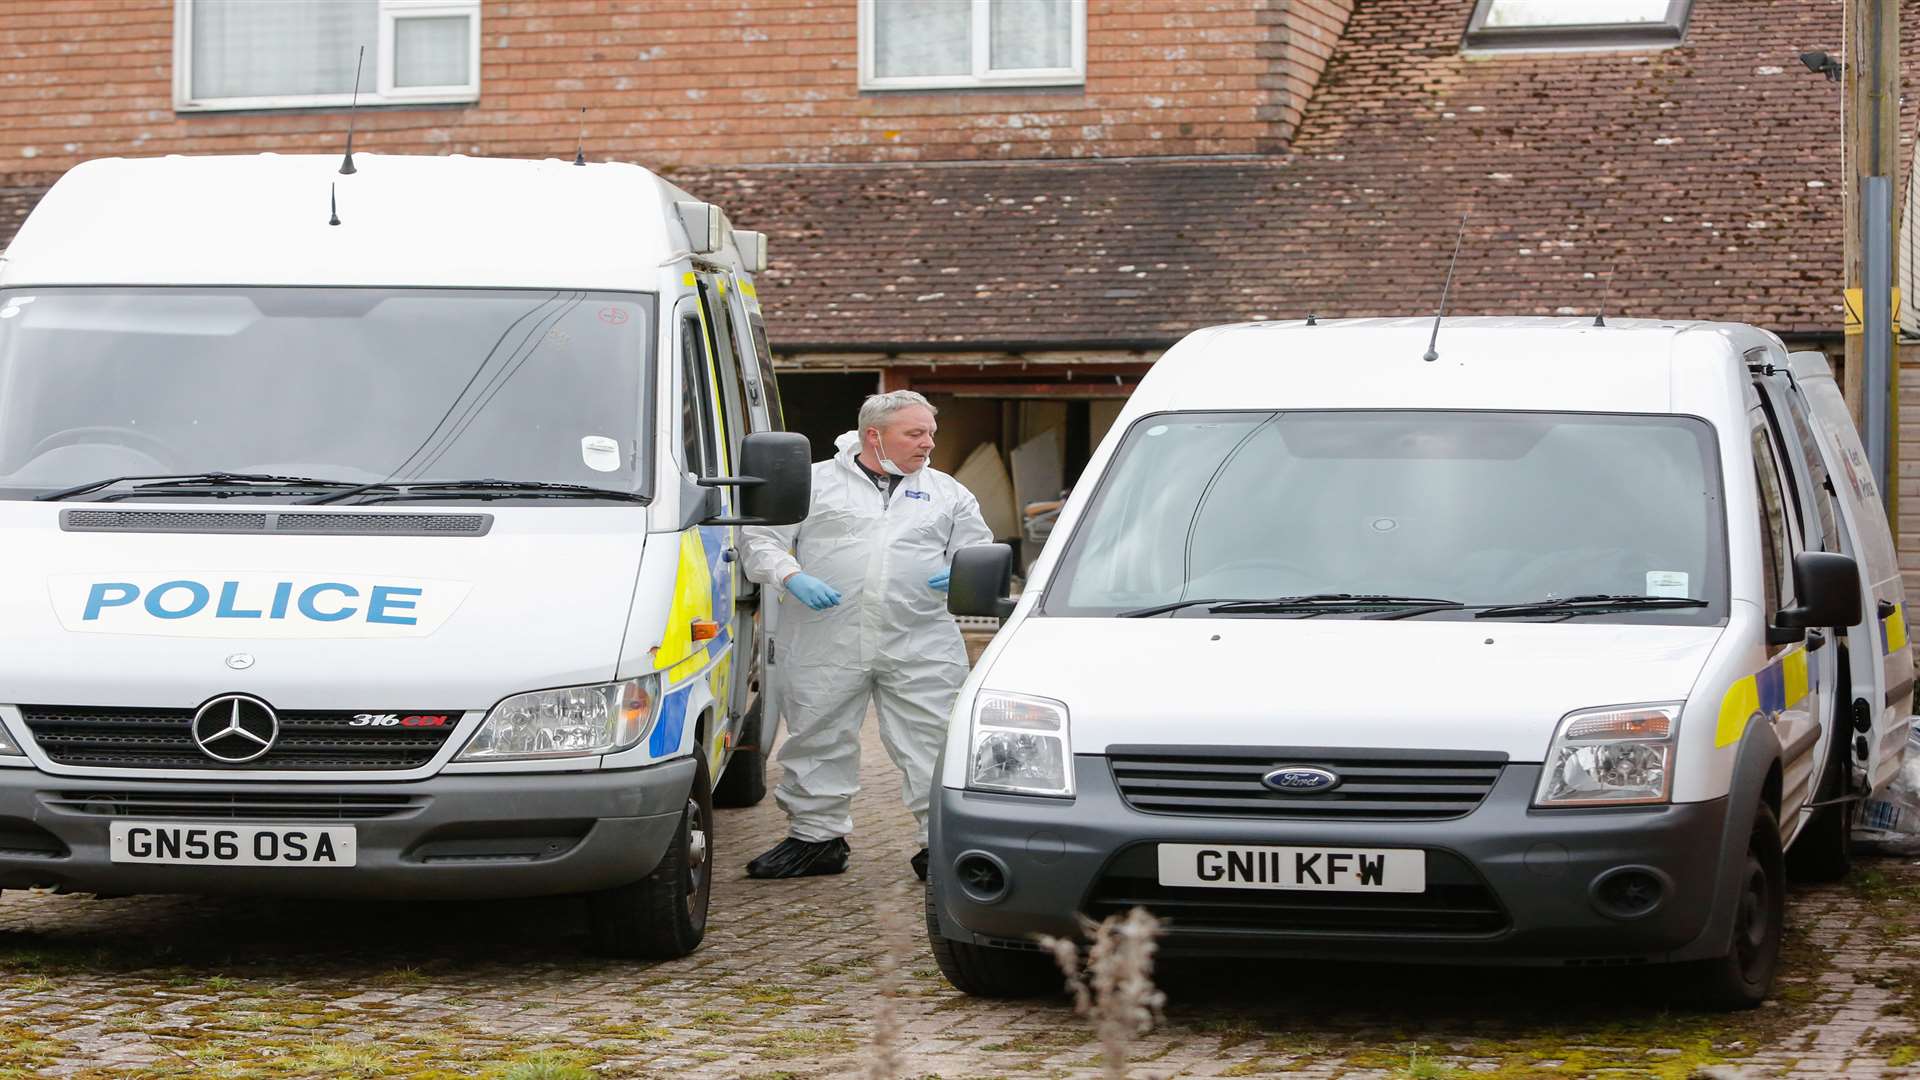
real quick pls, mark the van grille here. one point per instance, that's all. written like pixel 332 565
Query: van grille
pixel 1390 785
pixel 115 738
pixel 1456 903
pixel 243 806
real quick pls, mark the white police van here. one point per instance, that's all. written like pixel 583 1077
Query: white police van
pixel 1563 648
pixel 371 533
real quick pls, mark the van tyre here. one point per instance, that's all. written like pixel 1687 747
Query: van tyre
pixel 1741 979
pixel 663 916
pixel 984 971
pixel 743 782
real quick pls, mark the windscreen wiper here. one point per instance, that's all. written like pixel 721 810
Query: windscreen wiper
pixel 1317 603
pixel 185 483
pixel 1593 604
pixel 387 490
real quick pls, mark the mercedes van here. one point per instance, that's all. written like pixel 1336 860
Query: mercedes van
pixel 370 532
pixel 1566 646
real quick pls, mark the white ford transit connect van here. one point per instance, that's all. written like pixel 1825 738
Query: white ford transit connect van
pixel 1563 648
pixel 372 533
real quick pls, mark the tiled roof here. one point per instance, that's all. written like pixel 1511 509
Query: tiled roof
pixel 1709 173
pixel 15 202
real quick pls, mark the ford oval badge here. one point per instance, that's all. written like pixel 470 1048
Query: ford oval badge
pixel 1302 779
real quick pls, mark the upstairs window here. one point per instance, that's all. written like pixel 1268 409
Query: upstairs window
pixel 1508 25
pixel 286 54
pixel 950 44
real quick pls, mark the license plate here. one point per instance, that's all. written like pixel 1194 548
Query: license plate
pixel 232 845
pixel 1209 866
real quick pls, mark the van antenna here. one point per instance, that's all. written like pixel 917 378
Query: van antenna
pixel 580 152
pixel 333 202
pixel 1432 354
pixel 353 109
pixel 1605 295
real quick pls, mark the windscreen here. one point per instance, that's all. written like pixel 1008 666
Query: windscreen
pixel 1475 507
pixel 355 385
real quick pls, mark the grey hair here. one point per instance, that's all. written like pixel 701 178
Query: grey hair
pixel 879 408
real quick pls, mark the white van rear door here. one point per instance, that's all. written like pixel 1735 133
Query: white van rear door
pixel 1882 631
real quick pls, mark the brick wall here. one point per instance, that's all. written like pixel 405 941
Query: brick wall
pixel 1307 33
pixel 681 82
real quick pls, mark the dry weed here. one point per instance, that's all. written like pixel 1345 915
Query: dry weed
pixel 886 1059
pixel 1115 989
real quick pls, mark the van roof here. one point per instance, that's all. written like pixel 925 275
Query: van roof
pixel 1498 362
pixel 263 219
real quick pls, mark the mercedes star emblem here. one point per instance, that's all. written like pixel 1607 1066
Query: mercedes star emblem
pixel 240 661
pixel 234 729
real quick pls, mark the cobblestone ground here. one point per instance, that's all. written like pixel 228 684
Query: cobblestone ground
pixel 787 985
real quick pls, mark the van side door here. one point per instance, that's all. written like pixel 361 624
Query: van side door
pixel 704 454
pixel 1801 680
pixel 1881 692
pixel 1813 503
pixel 737 421
pixel 763 406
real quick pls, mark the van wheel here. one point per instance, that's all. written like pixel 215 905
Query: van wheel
pixel 663 916
pixel 983 971
pixel 1741 979
pixel 743 782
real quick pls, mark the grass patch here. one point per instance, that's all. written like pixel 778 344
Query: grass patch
pixel 359 1060
pixel 546 1065
pixel 803 1042
pixel 775 995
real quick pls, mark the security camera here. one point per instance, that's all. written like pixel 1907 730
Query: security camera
pixel 1822 64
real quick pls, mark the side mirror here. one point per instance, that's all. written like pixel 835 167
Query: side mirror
pixel 776 481
pixel 982 578
pixel 1828 586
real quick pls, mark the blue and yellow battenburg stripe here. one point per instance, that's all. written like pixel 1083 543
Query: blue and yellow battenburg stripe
pixel 1780 685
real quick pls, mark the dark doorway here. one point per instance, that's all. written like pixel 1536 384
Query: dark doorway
pixel 824 405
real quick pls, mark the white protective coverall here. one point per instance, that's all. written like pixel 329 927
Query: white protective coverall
pixel 889 639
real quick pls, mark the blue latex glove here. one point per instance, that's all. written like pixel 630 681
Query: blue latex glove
pixel 813 592
pixel 939 580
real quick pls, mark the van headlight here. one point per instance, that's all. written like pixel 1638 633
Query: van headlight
pixel 1611 757
pixel 1020 744
pixel 574 721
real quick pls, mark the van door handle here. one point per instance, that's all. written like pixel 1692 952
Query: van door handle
pixel 1886 608
pixel 1815 639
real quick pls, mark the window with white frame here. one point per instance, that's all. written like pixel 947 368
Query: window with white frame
pixel 947 44
pixel 284 54
pixel 1576 24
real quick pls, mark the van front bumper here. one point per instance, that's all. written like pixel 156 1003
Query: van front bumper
pixel 461 836
pixel 1506 883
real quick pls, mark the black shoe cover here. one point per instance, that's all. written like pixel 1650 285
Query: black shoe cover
pixel 801 858
pixel 920 864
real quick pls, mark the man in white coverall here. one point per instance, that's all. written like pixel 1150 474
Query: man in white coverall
pixel 864 616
